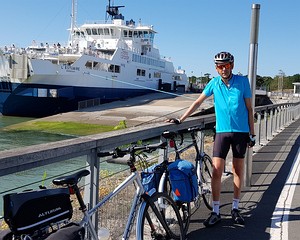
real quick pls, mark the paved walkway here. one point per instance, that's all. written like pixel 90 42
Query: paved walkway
pixel 271 205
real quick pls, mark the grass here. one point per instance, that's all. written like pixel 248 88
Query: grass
pixel 66 128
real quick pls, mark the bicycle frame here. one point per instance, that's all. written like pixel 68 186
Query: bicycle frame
pixel 200 155
pixel 134 177
pixel 137 202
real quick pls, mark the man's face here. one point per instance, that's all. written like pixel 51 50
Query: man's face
pixel 224 69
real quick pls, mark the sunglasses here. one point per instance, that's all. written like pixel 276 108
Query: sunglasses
pixel 226 66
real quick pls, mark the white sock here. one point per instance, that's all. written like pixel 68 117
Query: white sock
pixel 235 203
pixel 216 207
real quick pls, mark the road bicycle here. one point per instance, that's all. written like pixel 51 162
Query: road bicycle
pixel 156 214
pixel 203 166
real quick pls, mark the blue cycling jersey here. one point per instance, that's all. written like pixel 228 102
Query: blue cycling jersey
pixel 230 108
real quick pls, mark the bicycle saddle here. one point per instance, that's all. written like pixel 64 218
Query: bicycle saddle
pixel 71 179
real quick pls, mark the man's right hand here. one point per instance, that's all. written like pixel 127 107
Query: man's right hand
pixel 174 120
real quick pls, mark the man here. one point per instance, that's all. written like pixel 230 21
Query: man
pixel 234 128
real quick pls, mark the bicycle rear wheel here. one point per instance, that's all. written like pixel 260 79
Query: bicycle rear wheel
pixel 206 175
pixel 184 208
pixel 159 218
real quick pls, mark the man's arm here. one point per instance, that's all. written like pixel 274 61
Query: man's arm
pixel 190 110
pixel 196 104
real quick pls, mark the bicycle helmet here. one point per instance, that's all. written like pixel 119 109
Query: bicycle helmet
pixel 223 57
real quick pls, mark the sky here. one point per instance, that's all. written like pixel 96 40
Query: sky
pixel 189 32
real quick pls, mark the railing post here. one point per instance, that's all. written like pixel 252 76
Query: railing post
pixel 271 122
pixel 163 154
pixel 91 194
pixel 279 119
pixel 259 128
pixel 266 124
pixel 201 136
pixel 252 69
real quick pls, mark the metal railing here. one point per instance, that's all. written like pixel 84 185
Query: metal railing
pixel 270 120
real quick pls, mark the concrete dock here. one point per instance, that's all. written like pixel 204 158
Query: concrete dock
pixel 135 111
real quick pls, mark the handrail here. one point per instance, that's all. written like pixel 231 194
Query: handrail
pixel 15 160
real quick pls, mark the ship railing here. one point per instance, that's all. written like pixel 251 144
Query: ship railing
pixel 46 161
pixel 89 103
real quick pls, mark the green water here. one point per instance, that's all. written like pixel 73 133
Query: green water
pixel 32 178
pixel 11 140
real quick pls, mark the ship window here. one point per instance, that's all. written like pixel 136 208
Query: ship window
pixel 114 68
pixel 135 33
pixel 157 75
pixel 125 33
pixel 88 31
pixel 53 93
pixel 95 32
pixel 141 72
pixel 176 77
pixel 112 32
pixel 106 31
pixel 100 31
pixel 89 64
pixel 130 33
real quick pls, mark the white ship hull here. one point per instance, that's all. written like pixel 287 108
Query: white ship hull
pixel 43 80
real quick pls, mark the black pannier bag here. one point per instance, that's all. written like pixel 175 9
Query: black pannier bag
pixel 27 211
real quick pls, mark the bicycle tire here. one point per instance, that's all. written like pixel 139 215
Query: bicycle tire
pixel 184 208
pixel 206 175
pixel 150 227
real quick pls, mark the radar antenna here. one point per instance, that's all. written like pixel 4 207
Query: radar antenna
pixel 113 12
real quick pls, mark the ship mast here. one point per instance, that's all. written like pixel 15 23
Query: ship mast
pixel 113 12
pixel 73 20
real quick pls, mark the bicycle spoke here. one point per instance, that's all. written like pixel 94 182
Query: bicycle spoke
pixel 161 219
pixel 206 175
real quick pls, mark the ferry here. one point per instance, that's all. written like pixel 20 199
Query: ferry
pixel 102 61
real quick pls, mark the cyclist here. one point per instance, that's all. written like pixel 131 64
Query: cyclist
pixel 234 128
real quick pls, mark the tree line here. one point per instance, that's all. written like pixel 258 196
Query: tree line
pixel 280 82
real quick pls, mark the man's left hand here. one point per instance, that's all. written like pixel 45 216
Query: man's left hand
pixel 252 140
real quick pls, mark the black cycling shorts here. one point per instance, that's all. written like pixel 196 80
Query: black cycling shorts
pixel 237 140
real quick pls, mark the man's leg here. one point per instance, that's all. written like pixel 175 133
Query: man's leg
pixel 218 168
pixel 238 175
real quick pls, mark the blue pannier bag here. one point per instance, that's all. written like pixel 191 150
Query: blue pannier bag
pixel 151 177
pixel 183 178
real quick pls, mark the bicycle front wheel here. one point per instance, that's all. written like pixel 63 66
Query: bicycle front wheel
pixel 159 218
pixel 206 175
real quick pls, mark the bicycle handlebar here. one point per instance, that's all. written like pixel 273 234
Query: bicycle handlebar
pixel 131 150
pixel 145 148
